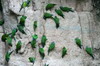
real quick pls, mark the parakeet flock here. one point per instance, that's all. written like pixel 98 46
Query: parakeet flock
pixel 21 25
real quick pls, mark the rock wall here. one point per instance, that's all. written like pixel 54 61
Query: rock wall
pixel 82 23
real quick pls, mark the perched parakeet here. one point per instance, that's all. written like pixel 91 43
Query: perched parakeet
pixel 25 4
pixel 33 43
pixel 35 25
pixel 13 33
pixel 35 36
pixel 64 51
pixel 51 47
pixel 66 9
pixel 41 51
pixel 22 20
pixel 89 51
pixel 4 37
pixel 46 65
pixel 21 29
pixel 32 60
pixel 7 56
pixel 59 12
pixel 47 15
pixel 9 41
pixel 43 40
pixel 50 6
pixel 1 22
pixel 18 46
pixel 78 42
pixel 56 20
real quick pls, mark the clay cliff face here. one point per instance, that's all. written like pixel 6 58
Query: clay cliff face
pixel 82 23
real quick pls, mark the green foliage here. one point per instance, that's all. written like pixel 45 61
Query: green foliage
pixel 59 12
pixel 41 51
pixel 50 6
pixel 51 47
pixel 1 22
pixel 64 51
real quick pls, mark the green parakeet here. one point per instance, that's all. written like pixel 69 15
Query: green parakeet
pixel 13 33
pixel 43 40
pixel 89 51
pixel 78 42
pixel 4 37
pixel 32 60
pixel 22 20
pixel 25 4
pixel 56 20
pixel 35 36
pixel 59 12
pixel 9 41
pixel 35 25
pixel 50 6
pixel 33 42
pixel 41 51
pixel 51 47
pixel 7 56
pixel 21 29
pixel 66 9
pixel 1 22
pixel 64 51
pixel 18 46
pixel 47 15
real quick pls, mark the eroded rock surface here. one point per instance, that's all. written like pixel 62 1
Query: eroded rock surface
pixel 80 23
